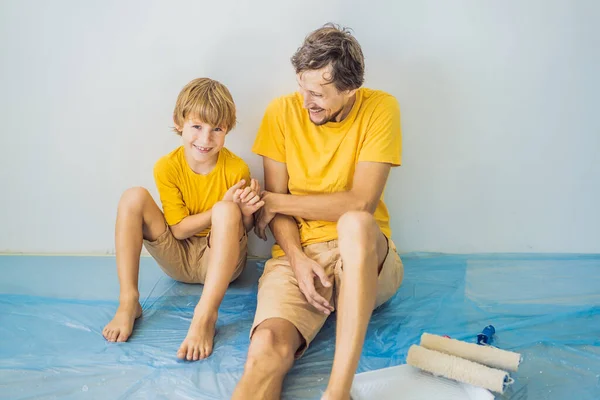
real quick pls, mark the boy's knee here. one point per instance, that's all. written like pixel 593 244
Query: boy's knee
pixel 134 198
pixel 226 211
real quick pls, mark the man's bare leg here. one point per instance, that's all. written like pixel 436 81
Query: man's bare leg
pixel 363 249
pixel 270 357
pixel 138 217
pixel 226 230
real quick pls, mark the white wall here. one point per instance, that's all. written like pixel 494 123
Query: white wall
pixel 499 101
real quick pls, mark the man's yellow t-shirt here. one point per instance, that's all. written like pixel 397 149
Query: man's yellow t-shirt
pixel 184 192
pixel 322 159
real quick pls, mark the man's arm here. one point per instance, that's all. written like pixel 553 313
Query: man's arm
pixel 367 186
pixel 284 227
pixel 286 234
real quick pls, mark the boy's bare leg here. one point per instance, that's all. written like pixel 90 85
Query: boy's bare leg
pixel 363 249
pixel 270 357
pixel 226 231
pixel 138 217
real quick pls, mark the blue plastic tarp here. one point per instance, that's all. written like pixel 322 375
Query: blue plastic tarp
pixel 53 310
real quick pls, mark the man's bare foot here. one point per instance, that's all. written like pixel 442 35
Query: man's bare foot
pixel 121 326
pixel 198 343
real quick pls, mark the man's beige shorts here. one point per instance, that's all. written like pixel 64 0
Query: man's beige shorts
pixel 280 297
pixel 187 260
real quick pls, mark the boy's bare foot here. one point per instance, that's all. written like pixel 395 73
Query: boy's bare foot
pixel 198 343
pixel 333 395
pixel 121 326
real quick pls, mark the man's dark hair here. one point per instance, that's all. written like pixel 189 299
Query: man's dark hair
pixel 335 46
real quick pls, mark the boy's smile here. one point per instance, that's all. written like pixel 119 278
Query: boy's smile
pixel 202 143
pixel 201 149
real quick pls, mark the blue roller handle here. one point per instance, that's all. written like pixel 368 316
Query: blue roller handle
pixel 485 337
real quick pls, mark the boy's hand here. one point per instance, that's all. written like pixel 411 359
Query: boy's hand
pixel 263 217
pixel 228 196
pixel 249 198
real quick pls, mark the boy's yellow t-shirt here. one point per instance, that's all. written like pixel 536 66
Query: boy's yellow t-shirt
pixel 322 159
pixel 184 192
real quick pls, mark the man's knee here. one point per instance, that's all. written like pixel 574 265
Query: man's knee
pixel 133 199
pixel 269 351
pixel 360 224
pixel 226 211
pixel 360 237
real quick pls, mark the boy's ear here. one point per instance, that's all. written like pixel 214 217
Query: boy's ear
pixel 179 128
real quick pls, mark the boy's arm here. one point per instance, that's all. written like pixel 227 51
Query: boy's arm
pixel 248 221
pixel 193 224
pixel 248 199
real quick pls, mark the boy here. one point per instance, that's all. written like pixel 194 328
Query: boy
pixel 201 237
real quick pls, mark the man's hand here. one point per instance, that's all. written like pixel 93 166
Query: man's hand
pixel 248 199
pixel 263 217
pixel 228 196
pixel 306 270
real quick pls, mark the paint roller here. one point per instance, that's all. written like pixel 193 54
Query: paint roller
pixel 487 355
pixel 464 362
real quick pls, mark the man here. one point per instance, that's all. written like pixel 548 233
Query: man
pixel 327 152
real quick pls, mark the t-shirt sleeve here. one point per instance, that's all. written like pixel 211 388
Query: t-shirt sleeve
pixel 241 171
pixel 383 140
pixel 270 140
pixel 171 198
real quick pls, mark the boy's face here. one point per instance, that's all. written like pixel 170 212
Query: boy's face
pixel 202 141
pixel 322 100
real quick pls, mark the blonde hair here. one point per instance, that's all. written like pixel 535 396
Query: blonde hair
pixel 206 100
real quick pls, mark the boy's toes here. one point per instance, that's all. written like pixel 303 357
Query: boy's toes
pixel 208 350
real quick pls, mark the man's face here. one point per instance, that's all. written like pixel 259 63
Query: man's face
pixel 322 100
